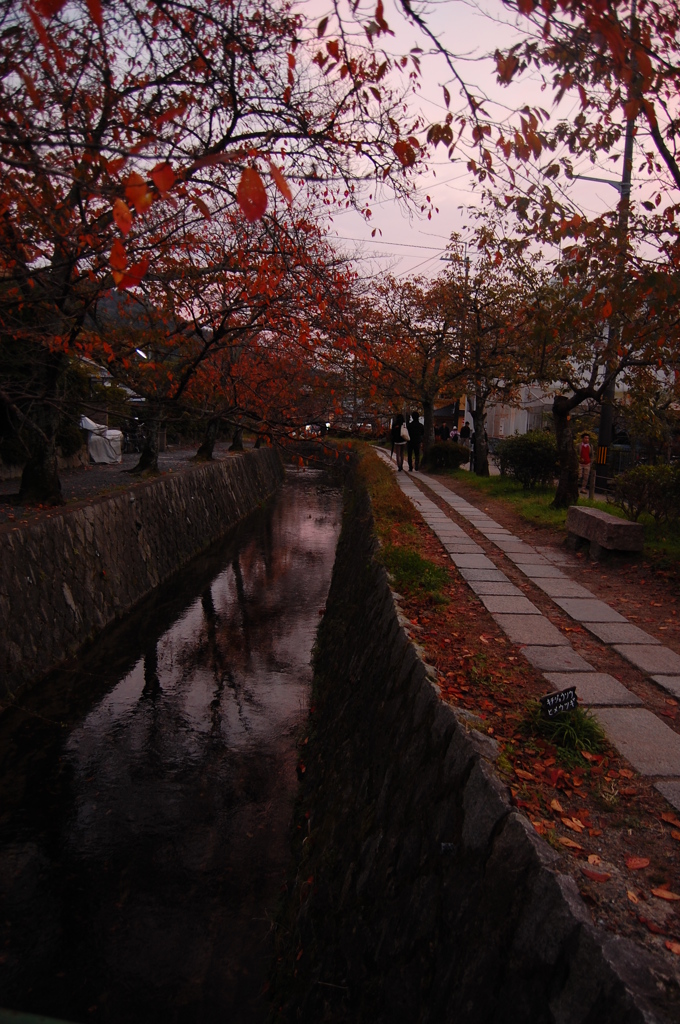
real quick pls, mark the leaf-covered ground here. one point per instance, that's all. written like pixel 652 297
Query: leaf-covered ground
pixel 616 835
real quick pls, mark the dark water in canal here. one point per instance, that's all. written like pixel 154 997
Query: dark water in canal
pixel 146 793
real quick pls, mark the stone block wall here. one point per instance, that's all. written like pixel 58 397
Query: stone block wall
pixel 65 579
pixel 422 896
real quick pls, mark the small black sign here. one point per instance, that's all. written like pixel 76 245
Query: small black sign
pixel 559 703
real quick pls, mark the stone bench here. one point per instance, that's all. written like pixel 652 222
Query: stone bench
pixel 604 531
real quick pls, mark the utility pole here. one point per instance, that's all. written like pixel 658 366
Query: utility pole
pixel 604 437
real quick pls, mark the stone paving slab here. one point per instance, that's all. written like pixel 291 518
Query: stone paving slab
pixel 556 659
pixel 528 629
pixel 588 610
pixel 527 557
pixel 500 589
pixel 562 586
pixel 456 547
pixel 594 687
pixel 653 658
pixel 473 562
pixel 648 743
pixel 512 544
pixel 484 575
pixel 539 572
pixel 671 791
pixel 620 633
pixel 511 605
pixel 670 683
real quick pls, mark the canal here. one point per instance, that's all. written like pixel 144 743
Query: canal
pixel 146 793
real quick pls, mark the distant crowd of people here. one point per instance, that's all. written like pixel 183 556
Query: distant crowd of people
pixel 406 436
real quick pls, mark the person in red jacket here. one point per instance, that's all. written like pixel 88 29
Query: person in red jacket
pixel 585 454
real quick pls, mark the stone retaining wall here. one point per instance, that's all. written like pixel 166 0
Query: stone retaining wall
pixel 65 579
pixel 421 894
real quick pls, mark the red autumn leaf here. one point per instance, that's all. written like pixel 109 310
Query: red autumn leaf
pixel 163 177
pixel 637 863
pixel 281 182
pixel 405 153
pixel 30 88
pixel 333 48
pixel 654 928
pixel 596 876
pixel 670 818
pixel 573 824
pixel 673 946
pixel 122 216
pixel 251 195
pixel 675 835
pixel 48 8
pixel 113 166
pixel 133 277
pixel 95 9
pixel 118 257
pixel 137 192
pixel 201 207
pixel 606 310
pixel 321 27
pixel 566 841
pixel 665 894
pixel 520 773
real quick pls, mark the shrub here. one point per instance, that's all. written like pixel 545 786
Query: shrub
pixel 69 439
pixel 530 458
pixel 651 489
pixel 574 731
pixel 446 455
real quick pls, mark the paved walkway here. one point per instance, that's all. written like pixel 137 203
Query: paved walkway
pixel 640 736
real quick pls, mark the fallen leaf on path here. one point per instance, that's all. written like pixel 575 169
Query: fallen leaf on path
pixel 594 859
pixel 520 773
pixel 654 928
pixel 665 894
pixel 625 773
pixel 596 876
pixel 557 806
pixel 675 835
pixel 673 946
pixel 573 824
pixel 671 819
pixel 632 897
pixel 566 841
pixel 637 863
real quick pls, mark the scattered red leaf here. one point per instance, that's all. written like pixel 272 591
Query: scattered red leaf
pixel 665 894
pixel 251 195
pixel 637 863
pixel 595 876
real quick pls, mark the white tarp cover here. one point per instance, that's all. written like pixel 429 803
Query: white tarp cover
pixel 103 445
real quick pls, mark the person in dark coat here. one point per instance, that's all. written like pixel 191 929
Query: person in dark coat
pixel 415 437
pixel 398 442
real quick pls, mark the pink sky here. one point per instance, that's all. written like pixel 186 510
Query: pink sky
pixel 474 31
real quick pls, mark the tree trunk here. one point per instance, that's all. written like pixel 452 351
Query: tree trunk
pixel 148 460
pixel 567 485
pixel 40 477
pixel 205 452
pixel 237 443
pixel 481 443
pixel 428 432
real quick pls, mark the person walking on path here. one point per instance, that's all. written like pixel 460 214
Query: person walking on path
pixel 465 435
pixel 415 437
pixel 399 436
pixel 584 460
